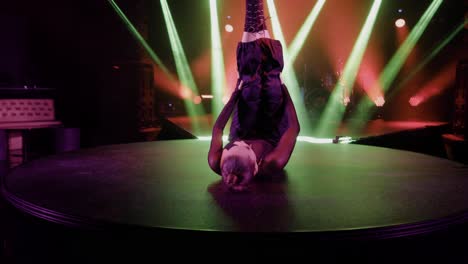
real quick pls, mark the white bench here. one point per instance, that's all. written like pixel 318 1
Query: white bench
pixel 17 116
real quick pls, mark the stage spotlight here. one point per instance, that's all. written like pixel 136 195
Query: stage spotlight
pixel 379 101
pixel 346 100
pixel 197 99
pixel 400 23
pixel 393 67
pixel 400 10
pixel 229 28
pixel 185 92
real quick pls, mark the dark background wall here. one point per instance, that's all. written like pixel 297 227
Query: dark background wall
pixel 71 48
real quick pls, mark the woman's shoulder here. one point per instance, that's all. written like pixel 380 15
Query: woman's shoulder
pixel 260 146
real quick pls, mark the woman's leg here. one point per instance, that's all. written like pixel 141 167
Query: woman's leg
pixel 259 63
pixel 270 60
pixel 255 22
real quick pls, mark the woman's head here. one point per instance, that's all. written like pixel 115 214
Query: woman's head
pixel 239 160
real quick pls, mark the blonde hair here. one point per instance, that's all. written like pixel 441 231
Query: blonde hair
pixel 239 158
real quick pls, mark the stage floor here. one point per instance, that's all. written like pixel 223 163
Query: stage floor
pixel 332 190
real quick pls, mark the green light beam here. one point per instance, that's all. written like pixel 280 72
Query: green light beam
pixel 290 78
pixel 140 39
pixel 334 110
pixel 183 69
pixel 301 36
pixel 365 107
pixel 428 58
pixel 218 79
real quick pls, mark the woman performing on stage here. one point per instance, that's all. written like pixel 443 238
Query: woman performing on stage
pixel 264 124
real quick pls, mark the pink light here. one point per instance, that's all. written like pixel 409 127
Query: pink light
pixel 197 99
pixel 379 101
pixel 166 82
pixel 400 23
pixel 415 100
pixel 184 92
pixel 346 100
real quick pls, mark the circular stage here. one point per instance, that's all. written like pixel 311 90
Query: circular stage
pixel 332 190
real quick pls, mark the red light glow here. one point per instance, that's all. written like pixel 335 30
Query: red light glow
pixel 165 81
pixel 415 101
pixel 197 99
pixel 185 92
pixel 441 81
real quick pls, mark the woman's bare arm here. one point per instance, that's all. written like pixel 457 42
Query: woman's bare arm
pixel 216 146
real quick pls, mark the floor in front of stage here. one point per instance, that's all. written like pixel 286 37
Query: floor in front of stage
pixel 333 202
